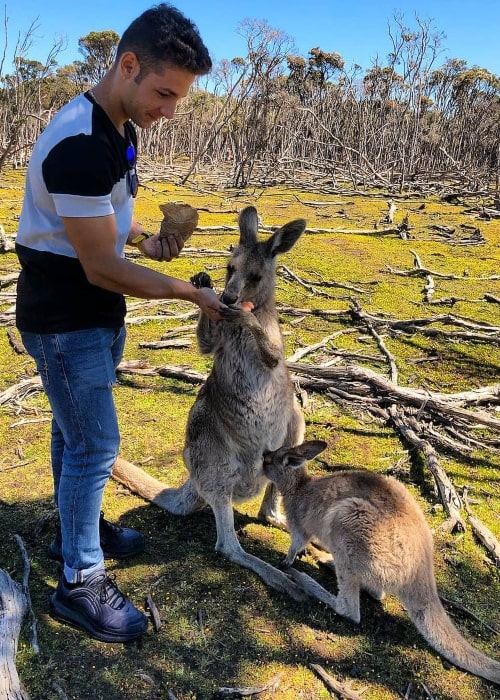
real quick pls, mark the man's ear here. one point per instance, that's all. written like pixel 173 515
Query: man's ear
pixel 129 65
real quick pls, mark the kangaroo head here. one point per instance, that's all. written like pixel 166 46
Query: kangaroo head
pixel 279 465
pixel 251 271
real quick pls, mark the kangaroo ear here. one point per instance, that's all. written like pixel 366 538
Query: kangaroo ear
pixel 296 456
pixel 285 237
pixel 248 222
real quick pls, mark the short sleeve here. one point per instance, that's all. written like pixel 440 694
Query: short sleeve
pixel 80 165
pixel 79 173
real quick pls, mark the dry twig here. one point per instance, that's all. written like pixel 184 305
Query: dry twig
pixel 334 685
pixel 270 687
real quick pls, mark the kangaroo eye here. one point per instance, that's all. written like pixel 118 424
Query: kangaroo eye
pixel 255 278
pixel 230 269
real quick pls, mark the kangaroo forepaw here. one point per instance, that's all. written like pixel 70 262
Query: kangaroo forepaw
pixel 237 315
pixel 201 279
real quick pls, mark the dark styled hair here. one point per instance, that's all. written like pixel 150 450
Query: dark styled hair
pixel 163 35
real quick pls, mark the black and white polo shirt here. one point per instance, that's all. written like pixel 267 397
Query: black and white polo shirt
pixel 79 168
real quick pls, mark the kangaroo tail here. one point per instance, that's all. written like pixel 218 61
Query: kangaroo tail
pixel 180 501
pixel 436 627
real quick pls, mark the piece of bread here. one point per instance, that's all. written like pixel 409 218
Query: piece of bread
pixel 180 218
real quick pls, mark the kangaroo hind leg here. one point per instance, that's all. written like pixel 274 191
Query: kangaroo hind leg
pixel 313 588
pixel 228 544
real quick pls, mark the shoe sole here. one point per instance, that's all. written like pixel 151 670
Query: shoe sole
pixel 63 614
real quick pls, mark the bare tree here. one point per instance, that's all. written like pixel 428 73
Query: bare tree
pixel 22 110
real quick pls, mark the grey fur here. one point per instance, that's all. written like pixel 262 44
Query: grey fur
pixel 246 406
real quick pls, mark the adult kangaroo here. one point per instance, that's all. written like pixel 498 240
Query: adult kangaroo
pixel 246 406
pixel 380 541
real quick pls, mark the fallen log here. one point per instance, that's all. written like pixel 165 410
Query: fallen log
pixel 13 607
pixel 15 602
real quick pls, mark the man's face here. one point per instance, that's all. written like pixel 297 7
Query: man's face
pixel 156 95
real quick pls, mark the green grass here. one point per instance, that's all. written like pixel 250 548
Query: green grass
pixel 221 626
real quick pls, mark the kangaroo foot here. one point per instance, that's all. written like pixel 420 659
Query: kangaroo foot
pixel 276 519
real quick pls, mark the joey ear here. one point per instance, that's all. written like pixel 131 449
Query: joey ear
pixel 301 453
pixel 248 221
pixel 285 237
pixel 293 460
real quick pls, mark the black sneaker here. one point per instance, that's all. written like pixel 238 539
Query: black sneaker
pixel 116 542
pixel 98 607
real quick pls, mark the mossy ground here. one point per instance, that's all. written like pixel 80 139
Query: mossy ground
pixel 221 625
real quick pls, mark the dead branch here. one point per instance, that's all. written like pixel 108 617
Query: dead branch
pixel 310 287
pixel 16 342
pixel 362 381
pixel 26 591
pixel 462 447
pixel 445 319
pixel 172 372
pixel 429 281
pixel 332 684
pixel 427 691
pixel 150 606
pixel 13 606
pixel 449 497
pixel 424 271
pixel 468 612
pixel 492 299
pixel 179 330
pixel 135 320
pixel 8 279
pixel 20 390
pixel 7 318
pixel 358 311
pixel 302 352
pixel 448 301
pixel 15 601
pixel 17 465
pixel 322 313
pixel 484 535
pixel 269 687
pixel 172 343
pixel 479 332
pixel 357 231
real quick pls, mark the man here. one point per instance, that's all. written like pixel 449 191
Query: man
pixel 75 222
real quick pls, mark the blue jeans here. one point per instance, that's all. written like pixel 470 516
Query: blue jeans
pixel 78 372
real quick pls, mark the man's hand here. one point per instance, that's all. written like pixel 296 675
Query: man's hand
pixel 209 303
pixel 162 249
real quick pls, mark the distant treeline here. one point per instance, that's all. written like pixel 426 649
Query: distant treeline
pixel 273 115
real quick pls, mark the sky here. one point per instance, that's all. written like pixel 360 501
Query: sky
pixel 357 29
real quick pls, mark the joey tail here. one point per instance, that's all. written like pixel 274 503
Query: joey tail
pixel 439 631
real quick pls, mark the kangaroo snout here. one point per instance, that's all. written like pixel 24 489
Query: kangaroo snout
pixel 229 298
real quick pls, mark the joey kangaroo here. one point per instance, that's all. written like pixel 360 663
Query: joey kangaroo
pixel 246 406
pixel 380 541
